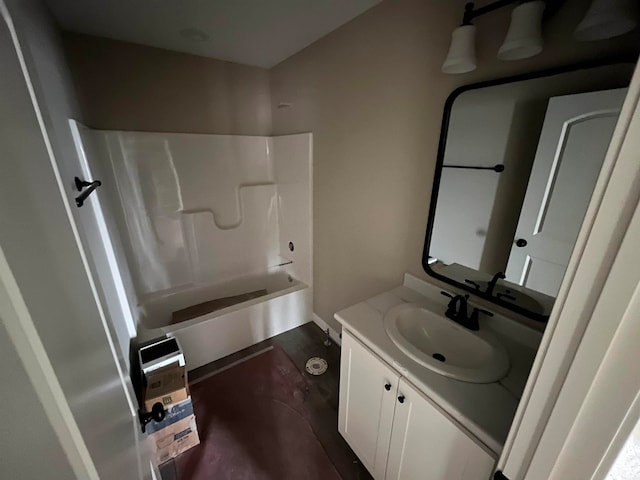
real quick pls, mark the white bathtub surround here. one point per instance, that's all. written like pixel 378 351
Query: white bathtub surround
pixel 286 305
pixel 226 331
pixel 201 209
pixel 105 245
pixel 484 410
pixel 204 217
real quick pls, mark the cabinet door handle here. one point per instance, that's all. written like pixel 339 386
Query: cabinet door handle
pixel 401 398
pixel 387 386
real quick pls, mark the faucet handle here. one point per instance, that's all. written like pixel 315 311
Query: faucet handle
pixel 446 294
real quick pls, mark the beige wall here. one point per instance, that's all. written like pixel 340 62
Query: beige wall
pixel 123 86
pixel 372 94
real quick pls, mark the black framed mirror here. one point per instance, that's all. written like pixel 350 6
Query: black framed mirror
pixel 518 160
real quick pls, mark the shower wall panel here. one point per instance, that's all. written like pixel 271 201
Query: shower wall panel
pixel 198 209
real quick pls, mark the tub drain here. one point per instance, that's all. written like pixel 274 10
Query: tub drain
pixel 316 366
pixel 439 356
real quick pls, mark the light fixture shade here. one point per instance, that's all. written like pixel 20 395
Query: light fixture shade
pixel 606 19
pixel 462 53
pixel 524 38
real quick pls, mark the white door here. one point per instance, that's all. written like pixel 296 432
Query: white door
pixel 627 462
pixel 584 387
pixel 575 136
pixel 47 262
pixel 425 444
pixel 367 400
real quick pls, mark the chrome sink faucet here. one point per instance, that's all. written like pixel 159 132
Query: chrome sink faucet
pixel 457 311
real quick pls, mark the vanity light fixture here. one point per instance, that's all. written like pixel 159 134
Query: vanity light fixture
pixel 607 19
pixel 462 52
pixel 523 40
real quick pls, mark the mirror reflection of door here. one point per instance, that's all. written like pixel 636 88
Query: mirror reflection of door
pixel 507 233
pixel 575 136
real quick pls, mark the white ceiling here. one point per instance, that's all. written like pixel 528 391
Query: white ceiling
pixel 253 32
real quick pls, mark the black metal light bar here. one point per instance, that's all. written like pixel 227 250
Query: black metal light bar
pixel 496 168
pixel 470 12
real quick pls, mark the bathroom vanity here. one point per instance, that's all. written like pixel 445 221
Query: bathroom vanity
pixel 406 419
pixel 429 385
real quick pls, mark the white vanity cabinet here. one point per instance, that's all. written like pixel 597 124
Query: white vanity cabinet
pixel 397 432
pixel 426 444
pixel 368 396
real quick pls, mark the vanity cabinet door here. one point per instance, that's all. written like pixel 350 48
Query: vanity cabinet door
pixel 368 390
pixel 425 444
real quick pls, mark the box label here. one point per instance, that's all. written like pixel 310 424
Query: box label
pixel 174 414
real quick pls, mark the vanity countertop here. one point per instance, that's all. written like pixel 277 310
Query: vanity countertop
pixel 485 410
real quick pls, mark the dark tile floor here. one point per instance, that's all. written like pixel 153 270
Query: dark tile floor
pixel 300 344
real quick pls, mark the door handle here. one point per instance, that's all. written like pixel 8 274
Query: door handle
pixel 157 413
pixel 81 184
pixel 387 386
pixel 521 242
pixel 84 195
pixel 401 398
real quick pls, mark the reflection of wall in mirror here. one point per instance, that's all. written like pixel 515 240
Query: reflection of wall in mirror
pixel 500 121
pixel 521 143
pixel 477 210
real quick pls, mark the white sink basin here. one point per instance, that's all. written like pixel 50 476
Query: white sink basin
pixel 444 346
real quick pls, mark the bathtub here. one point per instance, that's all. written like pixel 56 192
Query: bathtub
pixel 284 303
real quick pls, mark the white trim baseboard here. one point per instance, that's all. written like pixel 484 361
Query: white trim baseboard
pixel 335 336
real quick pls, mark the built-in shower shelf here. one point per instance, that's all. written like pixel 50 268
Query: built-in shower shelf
pixel 240 206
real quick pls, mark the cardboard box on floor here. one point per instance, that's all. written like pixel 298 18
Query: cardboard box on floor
pixel 173 440
pixel 176 434
pixel 167 385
